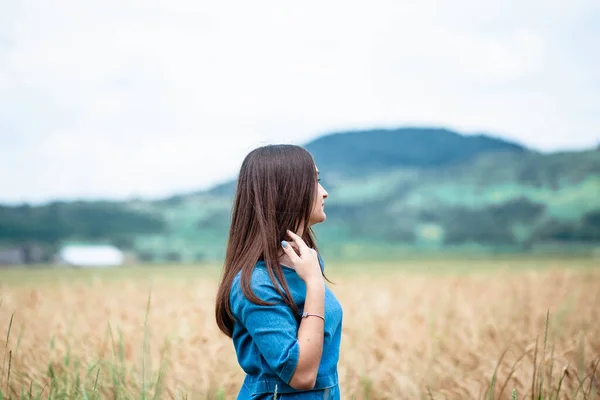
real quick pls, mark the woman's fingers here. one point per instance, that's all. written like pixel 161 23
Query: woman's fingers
pixel 289 250
pixel 295 247
pixel 293 244
pixel 302 247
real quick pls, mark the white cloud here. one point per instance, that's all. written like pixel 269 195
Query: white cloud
pixel 151 97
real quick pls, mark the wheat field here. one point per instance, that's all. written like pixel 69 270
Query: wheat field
pixel 441 330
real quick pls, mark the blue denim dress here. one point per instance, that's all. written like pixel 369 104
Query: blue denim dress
pixel 266 342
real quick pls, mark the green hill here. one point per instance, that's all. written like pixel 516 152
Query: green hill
pixel 344 155
pixel 363 152
pixel 391 193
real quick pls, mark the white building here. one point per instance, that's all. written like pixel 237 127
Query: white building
pixel 90 255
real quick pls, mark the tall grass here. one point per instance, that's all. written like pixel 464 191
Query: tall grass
pixel 72 387
pixel 540 390
pixel 66 382
pixel 445 345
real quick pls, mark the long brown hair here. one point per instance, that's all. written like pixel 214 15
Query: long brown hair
pixel 276 190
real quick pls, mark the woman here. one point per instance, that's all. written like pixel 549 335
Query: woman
pixel 272 301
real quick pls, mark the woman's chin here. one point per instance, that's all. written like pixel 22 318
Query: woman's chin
pixel 318 219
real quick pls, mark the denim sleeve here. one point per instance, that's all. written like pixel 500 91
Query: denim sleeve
pixel 273 328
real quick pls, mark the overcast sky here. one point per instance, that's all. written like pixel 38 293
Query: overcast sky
pixel 149 98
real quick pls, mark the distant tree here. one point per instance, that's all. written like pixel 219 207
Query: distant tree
pixel 199 257
pixel 587 230
pixel 520 209
pixel 146 256
pixel 82 220
pixel 173 256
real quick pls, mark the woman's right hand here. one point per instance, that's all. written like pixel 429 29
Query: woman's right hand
pixel 307 263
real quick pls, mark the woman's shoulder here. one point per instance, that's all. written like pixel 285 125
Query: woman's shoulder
pixel 260 284
pixel 260 275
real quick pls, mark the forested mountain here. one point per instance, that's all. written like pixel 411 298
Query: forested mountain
pixel 390 192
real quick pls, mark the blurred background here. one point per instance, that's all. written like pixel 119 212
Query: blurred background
pixel 440 128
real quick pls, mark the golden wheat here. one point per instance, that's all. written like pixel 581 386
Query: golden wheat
pixel 405 335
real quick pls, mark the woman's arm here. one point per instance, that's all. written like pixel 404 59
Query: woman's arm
pixel 310 337
pixel 292 351
pixel 310 332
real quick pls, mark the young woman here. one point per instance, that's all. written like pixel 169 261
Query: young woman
pixel 273 302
